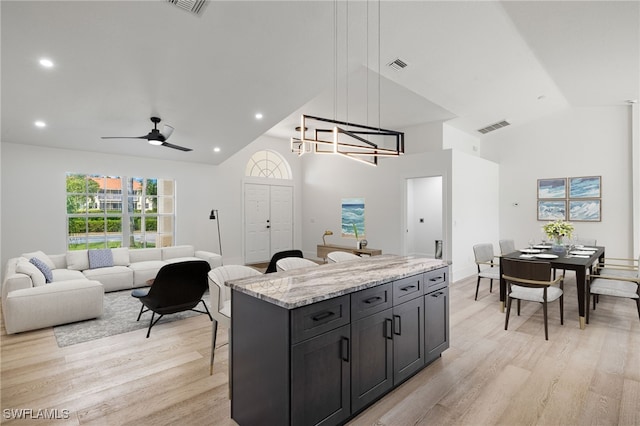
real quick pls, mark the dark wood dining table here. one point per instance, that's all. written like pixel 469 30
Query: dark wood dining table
pixel 565 261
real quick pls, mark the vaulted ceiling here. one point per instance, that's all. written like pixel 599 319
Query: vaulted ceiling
pixel 473 63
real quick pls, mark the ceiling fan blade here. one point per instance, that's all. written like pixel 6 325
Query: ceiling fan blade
pixel 124 137
pixel 167 131
pixel 181 148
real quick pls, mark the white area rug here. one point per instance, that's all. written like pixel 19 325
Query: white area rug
pixel 119 316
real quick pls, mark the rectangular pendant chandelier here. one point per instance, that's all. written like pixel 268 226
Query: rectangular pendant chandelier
pixel 355 141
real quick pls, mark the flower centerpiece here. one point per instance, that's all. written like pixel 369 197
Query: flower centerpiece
pixel 556 230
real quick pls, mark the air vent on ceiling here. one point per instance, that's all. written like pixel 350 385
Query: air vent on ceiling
pixel 194 6
pixel 397 64
pixel 495 126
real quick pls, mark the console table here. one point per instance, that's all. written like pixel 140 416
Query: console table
pixel 325 249
pixel 318 345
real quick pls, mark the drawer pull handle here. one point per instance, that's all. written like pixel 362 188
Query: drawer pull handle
pixel 407 288
pixel 323 315
pixel 438 294
pixel 436 279
pixel 397 325
pixel 345 349
pixel 372 299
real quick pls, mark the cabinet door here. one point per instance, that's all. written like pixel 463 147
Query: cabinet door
pixel 320 379
pixel 372 361
pixel 436 323
pixel 408 339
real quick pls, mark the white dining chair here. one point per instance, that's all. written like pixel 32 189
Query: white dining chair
pixel 484 257
pixel 507 246
pixel 221 298
pixel 614 285
pixel 341 256
pixel 289 263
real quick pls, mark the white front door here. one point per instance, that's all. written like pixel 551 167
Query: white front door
pixel 268 211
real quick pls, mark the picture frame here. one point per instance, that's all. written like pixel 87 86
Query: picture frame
pixel 552 209
pixel 585 210
pixel 585 187
pixel 353 217
pixel 552 188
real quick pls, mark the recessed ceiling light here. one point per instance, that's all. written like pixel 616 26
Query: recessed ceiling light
pixel 216 149
pixel 40 123
pixel 47 63
pixel 259 116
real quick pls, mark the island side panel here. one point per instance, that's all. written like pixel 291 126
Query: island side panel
pixel 260 369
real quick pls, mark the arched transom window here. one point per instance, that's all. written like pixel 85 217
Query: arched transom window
pixel 268 164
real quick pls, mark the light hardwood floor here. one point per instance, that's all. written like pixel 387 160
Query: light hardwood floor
pixel 488 375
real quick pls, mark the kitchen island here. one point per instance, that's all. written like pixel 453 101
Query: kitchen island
pixel 318 345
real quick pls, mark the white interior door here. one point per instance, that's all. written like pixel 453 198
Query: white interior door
pixel 268 221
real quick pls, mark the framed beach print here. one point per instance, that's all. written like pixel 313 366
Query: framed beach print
pixel 585 210
pixel 585 187
pixel 552 209
pixel 552 188
pixel 353 217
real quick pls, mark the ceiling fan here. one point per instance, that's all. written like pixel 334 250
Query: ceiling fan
pixel 155 137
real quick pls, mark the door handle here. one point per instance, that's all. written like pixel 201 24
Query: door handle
pixel 323 315
pixel 372 299
pixel 397 325
pixel 388 328
pixel 345 349
pixel 407 288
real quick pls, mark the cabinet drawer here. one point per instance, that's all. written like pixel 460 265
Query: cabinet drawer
pixel 435 279
pixel 408 288
pixel 370 301
pixel 312 320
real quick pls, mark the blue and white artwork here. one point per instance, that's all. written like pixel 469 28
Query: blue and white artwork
pixel 353 214
pixel 584 210
pixel 552 210
pixel 552 188
pixel 584 187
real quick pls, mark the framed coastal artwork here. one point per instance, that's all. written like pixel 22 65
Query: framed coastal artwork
pixel 353 217
pixel 584 187
pixel 576 199
pixel 585 210
pixel 552 209
pixel 552 188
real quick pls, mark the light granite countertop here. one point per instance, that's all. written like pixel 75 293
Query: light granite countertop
pixel 304 286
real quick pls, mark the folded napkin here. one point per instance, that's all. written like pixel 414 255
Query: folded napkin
pixel 580 255
pixel 528 256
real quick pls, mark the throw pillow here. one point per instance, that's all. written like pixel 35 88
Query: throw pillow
pixel 77 260
pixel 28 268
pixel 40 255
pixel 46 271
pixel 120 256
pixel 100 258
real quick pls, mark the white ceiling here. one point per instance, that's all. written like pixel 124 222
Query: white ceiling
pixel 117 63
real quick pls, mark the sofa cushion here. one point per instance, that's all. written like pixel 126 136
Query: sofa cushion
pixel 66 275
pixel 112 277
pixel 145 271
pixel 120 256
pixel 40 255
pixel 101 258
pixel 181 259
pixel 46 271
pixel 177 251
pixel 78 260
pixel 25 267
pixel 144 255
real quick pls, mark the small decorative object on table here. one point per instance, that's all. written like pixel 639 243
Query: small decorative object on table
pixel 556 231
pixel 363 244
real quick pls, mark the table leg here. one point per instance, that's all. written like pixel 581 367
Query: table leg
pixel 503 290
pixel 581 283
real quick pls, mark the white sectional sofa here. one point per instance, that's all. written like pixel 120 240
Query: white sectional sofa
pixel 76 289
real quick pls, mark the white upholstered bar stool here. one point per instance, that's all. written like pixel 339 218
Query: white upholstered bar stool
pixel 289 263
pixel 221 298
pixel 341 256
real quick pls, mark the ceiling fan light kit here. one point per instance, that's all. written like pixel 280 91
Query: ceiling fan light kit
pixel 155 137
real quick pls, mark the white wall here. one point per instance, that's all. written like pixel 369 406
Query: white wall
pixel 453 138
pixel 329 179
pixel 475 213
pixel 575 142
pixel 33 207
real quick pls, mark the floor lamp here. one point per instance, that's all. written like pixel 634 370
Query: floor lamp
pixel 216 216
